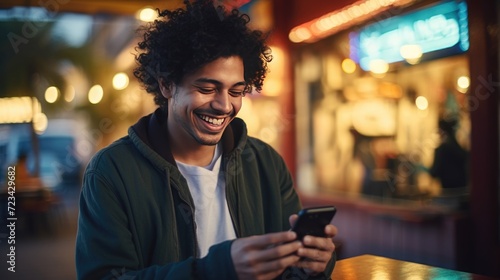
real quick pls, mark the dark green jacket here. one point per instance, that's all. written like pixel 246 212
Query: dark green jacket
pixel 136 212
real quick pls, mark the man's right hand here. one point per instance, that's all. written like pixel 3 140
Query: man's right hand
pixel 264 256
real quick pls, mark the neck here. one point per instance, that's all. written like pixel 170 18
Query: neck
pixel 198 155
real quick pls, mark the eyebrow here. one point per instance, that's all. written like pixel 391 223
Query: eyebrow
pixel 216 82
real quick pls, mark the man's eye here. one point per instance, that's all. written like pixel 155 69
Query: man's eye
pixel 237 93
pixel 206 90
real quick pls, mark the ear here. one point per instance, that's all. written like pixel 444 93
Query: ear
pixel 166 90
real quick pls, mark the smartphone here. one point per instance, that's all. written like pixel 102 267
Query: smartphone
pixel 312 221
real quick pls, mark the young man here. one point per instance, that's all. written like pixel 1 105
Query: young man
pixel 187 194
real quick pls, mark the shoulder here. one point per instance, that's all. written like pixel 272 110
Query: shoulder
pixel 118 151
pixel 258 143
pixel 259 146
pixel 249 144
pixel 265 154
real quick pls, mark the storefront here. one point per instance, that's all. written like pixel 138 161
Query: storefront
pixel 366 135
pixel 373 82
pixel 375 95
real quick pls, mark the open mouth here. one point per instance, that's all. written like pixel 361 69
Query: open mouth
pixel 212 121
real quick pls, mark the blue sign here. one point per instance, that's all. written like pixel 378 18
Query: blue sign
pixel 440 30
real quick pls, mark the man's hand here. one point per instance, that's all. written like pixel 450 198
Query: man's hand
pixel 265 256
pixel 316 251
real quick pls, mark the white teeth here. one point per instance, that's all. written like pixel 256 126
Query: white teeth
pixel 212 120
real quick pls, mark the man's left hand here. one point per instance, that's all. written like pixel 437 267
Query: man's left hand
pixel 317 251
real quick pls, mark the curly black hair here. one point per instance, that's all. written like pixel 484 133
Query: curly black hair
pixel 183 40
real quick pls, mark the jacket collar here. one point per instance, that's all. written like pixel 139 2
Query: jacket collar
pixel 152 130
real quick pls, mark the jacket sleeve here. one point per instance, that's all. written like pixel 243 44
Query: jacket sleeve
pixel 105 248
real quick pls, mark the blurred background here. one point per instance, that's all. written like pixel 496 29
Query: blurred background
pixel 386 109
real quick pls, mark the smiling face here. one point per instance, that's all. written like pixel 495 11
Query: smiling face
pixel 204 103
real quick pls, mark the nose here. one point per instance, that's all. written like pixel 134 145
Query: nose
pixel 222 102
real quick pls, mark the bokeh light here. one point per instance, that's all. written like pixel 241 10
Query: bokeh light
pixel 422 103
pixel 51 94
pixel 120 81
pixel 96 94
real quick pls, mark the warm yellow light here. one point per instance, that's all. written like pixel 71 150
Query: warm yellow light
pixel 411 53
pixel 348 66
pixel 51 94
pixel 274 80
pixel 463 84
pixel 248 114
pixel 272 87
pixel 17 109
pixel 268 134
pixel 70 94
pixel 125 59
pixel 120 81
pixel 379 66
pixel 323 24
pixel 24 111
pixel 422 103
pixel 147 14
pixel 299 34
pixel 95 94
pixel 36 106
pixel 40 123
pixel 343 18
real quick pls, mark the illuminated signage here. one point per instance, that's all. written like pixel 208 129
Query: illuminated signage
pixel 436 31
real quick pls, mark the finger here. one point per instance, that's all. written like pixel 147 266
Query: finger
pixel 315 255
pixel 278 251
pixel 321 243
pixel 313 266
pixel 313 259
pixel 281 250
pixel 292 219
pixel 278 265
pixel 273 260
pixel 331 230
pixel 279 237
pixel 264 241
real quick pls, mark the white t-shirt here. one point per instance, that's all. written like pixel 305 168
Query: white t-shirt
pixel 208 189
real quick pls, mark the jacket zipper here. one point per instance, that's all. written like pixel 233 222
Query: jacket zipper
pixel 231 205
pixel 193 223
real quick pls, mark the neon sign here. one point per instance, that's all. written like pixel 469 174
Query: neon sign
pixel 439 31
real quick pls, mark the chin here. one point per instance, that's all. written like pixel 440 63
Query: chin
pixel 208 141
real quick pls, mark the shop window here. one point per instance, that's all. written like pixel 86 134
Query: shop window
pixel 375 135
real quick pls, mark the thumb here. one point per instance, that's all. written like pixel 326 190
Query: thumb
pixel 292 219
